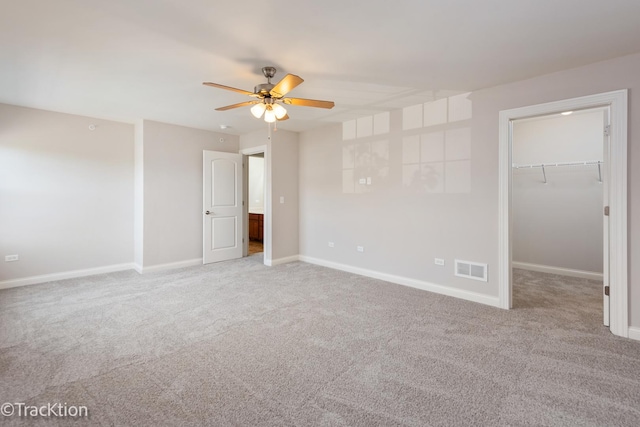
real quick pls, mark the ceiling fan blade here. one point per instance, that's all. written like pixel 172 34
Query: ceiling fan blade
pixel 233 89
pixel 286 117
pixel 241 104
pixel 285 85
pixel 309 103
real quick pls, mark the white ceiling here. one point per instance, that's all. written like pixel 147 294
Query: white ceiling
pixel 130 59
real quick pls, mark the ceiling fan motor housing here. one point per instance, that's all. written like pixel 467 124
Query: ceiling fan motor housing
pixel 263 89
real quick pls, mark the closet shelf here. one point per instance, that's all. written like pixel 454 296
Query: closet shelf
pixel 546 165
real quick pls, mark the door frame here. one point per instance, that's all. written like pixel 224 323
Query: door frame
pixel 266 242
pixel 617 101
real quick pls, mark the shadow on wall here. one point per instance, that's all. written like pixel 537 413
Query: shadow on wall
pixel 436 161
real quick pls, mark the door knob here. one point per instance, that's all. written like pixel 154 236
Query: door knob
pixel 209 213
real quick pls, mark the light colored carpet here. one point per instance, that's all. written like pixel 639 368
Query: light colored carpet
pixel 238 343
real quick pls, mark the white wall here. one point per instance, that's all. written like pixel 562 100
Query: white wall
pixel 256 184
pixel 558 224
pixel 173 190
pixel 66 192
pixel 425 183
pixel 281 162
pixel 403 231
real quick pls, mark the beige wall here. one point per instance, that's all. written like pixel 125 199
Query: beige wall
pixel 403 229
pixel 173 190
pixel 66 192
pixel 138 186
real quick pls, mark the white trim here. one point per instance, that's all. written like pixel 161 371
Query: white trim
pixel 592 275
pixel 274 262
pixel 634 333
pixel 406 281
pixel 34 280
pixel 169 266
pixel 253 150
pixel 618 272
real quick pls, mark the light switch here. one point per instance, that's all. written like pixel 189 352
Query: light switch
pixel 281 199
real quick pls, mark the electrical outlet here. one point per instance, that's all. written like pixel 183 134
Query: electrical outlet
pixel 362 181
pixel 369 181
pixel 331 244
pixel 9 258
pixel 438 261
pixel 360 248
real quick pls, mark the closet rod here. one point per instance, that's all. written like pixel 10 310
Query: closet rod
pixel 540 165
pixel 546 165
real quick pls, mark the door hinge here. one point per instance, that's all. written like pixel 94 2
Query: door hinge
pixel 606 290
pixel 606 211
pixel 607 130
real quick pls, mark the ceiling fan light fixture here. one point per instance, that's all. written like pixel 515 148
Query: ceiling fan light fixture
pixel 258 110
pixel 269 115
pixel 279 111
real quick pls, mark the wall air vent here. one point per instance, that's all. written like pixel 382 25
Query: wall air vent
pixel 471 270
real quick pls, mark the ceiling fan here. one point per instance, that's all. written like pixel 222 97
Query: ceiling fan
pixel 270 97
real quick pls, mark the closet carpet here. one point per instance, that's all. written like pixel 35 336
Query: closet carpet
pixel 238 343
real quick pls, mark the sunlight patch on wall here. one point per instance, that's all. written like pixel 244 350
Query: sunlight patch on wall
pixel 378 124
pixel 364 165
pixel 438 161
pixel 427 150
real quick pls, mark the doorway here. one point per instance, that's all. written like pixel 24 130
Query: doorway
pixel 558 231
pixel 255 198
pixel 615 279
pixel 264 205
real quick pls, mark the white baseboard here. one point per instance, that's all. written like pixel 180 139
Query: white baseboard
pixel 274 262
pixel 634 333
pixel 400 280
pixel 557 270
pixel 33 280
pixel 168 266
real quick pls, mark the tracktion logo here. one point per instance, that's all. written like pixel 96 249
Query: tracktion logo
pixel 50 410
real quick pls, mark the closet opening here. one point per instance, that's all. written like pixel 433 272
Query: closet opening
pixel 559 233
pixel 614 293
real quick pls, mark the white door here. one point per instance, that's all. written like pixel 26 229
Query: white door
pixel 222 206
pixel 605 222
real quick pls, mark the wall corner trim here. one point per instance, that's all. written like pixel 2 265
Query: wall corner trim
pixel 53 277
pixel 634 333
pixel 169 266
pixel 278 261
pixel 406 281
pixel 591 275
